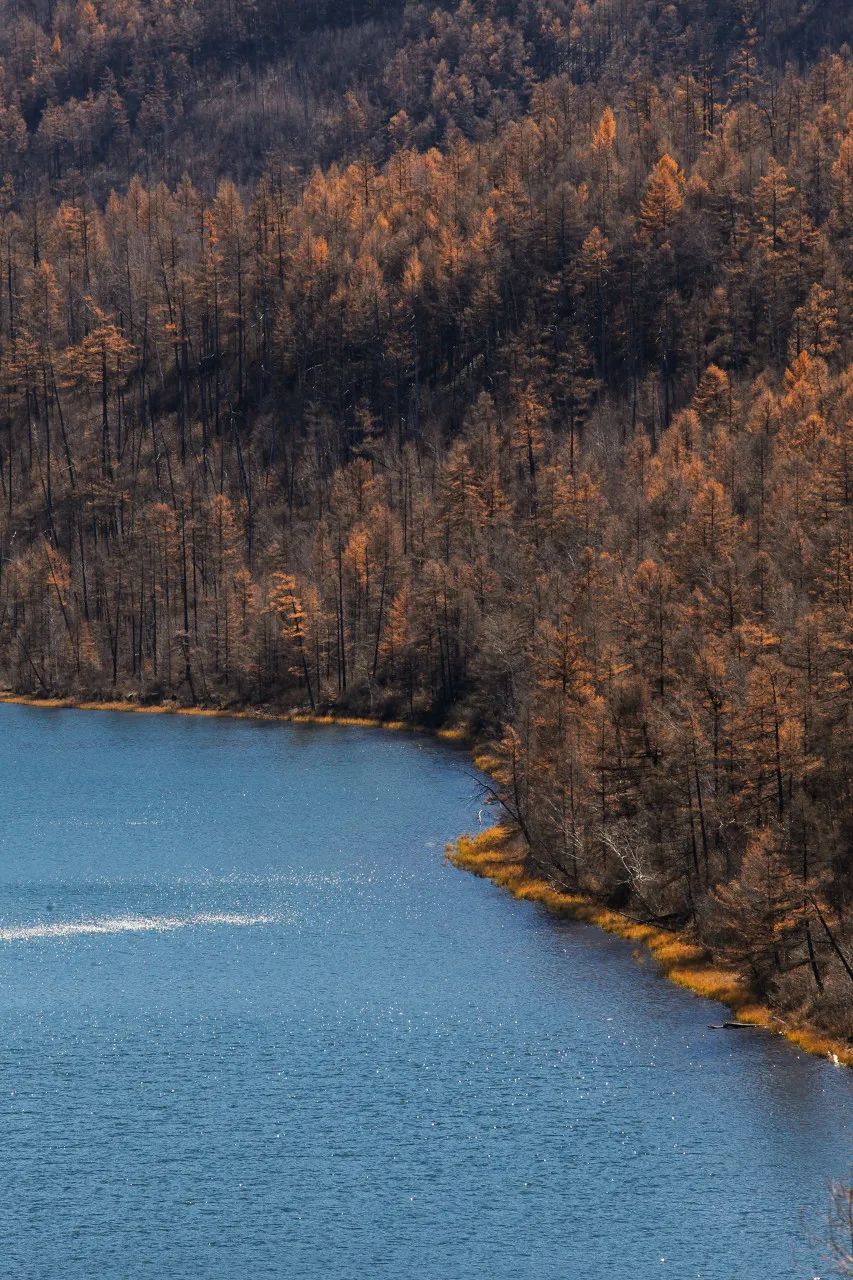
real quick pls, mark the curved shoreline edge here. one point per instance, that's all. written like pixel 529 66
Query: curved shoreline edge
pixel 495 854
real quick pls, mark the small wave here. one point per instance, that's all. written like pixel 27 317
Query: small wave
pixel 124 924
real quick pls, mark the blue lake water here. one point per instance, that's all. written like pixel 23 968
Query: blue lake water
pixel 253 1025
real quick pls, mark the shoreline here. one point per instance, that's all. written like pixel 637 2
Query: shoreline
pixel 494 855
pixel 262 715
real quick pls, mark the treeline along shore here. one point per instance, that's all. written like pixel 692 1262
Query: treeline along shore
pixel 492 369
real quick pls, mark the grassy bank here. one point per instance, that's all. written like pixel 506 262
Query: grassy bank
pixel 496 855
pixel 262 714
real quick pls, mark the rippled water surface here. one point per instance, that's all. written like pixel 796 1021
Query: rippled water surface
pixel 252 1025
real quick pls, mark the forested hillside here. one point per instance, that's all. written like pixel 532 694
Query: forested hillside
pixel 488 362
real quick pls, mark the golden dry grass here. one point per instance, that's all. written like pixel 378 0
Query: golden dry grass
pixel 815 1042
pixel 454 733
pixel 757 1015
pixel 245 713
pixel 670 950
pixel 709 981
pixel 486 759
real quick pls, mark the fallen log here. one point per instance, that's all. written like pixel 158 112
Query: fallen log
pixel 732 1026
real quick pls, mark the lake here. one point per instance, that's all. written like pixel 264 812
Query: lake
pixel 253 1025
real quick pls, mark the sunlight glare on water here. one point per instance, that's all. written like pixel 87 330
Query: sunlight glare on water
pixel 124 924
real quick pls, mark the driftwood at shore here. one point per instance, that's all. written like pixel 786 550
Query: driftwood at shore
pixel 732 1026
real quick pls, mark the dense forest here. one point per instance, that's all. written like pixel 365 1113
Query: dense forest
pixel 487 363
